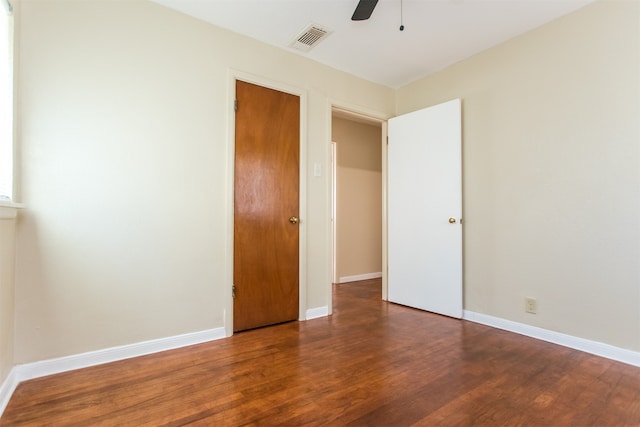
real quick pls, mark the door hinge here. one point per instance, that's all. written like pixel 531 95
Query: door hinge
pixel 235 105
pixel 387 140
pixel 233 291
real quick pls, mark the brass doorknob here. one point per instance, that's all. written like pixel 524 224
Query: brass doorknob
pixel 294 220
pixel 452 220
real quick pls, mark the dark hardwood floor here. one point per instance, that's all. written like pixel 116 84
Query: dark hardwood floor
pixel 371 363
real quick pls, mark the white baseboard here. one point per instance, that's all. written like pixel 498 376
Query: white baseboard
pixel 53 366
pixel 77 361
pixel 594 347
pixel 359 277
pixel 7 388
pixel 33 370
pixel 314 313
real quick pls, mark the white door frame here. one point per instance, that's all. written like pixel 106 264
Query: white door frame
pixel 334 220
pixel 358 112
pixel 232 76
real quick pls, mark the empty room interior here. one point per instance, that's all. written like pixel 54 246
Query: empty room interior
pixel 146 143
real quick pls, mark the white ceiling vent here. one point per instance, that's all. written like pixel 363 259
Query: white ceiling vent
pixel 309 37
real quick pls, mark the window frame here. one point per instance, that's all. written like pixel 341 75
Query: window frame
pixel 7 114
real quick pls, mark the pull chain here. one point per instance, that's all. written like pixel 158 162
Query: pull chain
pixel 401 17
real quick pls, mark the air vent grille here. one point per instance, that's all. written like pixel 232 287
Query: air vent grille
pixel 310 37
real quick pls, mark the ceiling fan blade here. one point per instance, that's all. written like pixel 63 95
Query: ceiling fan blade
pixel 364 9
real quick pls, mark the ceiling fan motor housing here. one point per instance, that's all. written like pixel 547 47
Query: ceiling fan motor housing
pixel 364 9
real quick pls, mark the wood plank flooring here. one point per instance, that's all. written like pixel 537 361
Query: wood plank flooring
pixel 371 363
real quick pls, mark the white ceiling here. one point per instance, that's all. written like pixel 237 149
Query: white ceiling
pixel 437 33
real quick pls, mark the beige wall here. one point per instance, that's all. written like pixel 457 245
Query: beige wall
pixel 123 167
pixel 123 133
pixel 552 173
pixel 7 260
pixel 358 198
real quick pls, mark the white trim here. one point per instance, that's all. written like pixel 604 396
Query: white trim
pixel 385 221
pixel 334 219
pixel 33 370
pixel 314 313
pixel 7 388
pixel 8 6
pixel 9 210
pixel 10 204
pixel 359 277
pixel 231 152
pixel 234 75
pixel 594 347
pixel 359 111
pixel 29 371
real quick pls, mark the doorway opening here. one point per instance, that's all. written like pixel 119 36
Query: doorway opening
pixel 358 197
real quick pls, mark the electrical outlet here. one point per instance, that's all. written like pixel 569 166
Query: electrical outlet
pixel 530 305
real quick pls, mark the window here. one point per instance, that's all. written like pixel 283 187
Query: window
pixel 6 101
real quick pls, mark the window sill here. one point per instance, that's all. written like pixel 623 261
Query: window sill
pixel 9 210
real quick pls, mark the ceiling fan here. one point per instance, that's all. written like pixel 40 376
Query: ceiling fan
pixel 364 9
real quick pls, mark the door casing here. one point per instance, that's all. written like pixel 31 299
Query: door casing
pixel 234 75
pixel 357 111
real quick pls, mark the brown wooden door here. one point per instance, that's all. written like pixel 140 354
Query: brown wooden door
pixel 267 182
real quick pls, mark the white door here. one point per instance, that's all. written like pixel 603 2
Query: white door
pixel 425 209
